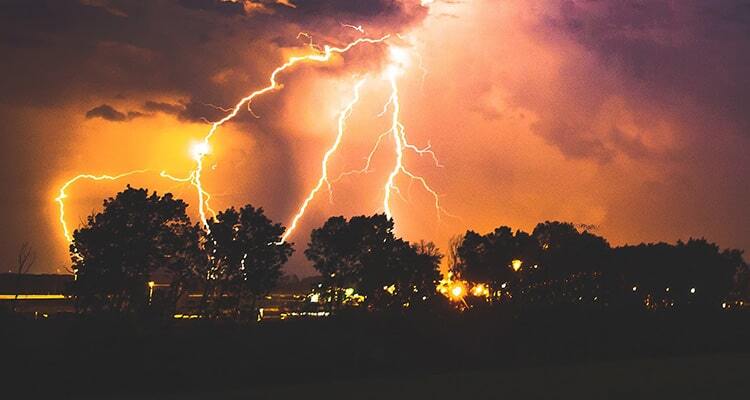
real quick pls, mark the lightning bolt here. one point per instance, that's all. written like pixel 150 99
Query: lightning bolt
pixel 321 55
pixel 201 149
pixel 398 133
pixel 189 179
pixel 62 195
pixel 273 84
pixel 357 28
pixel 343 115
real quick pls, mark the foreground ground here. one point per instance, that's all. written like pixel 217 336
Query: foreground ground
pixel 697 377
pixel 547 354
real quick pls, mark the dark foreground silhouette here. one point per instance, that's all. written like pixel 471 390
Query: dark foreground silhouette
pixel 74 358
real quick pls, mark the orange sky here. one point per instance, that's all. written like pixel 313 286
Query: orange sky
pixel 533 112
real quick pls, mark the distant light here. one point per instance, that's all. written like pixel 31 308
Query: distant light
pixel 151 284
pixel 692 290
pixel 503 285
pixel 667 289
pixel 723 305
pixel 348 292
pixel 457 291
pixel 516 264
pixel 199 149
pixel 314 298
pixel 390 289
pixel 635 288
pixel 480 290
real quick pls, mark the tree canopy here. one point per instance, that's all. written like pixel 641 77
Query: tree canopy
pixel 246 255
pixel 117 250
pixel 363 256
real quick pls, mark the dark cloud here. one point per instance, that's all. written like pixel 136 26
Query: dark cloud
pixel 195 111
pixel 105 111
pixel 681 62
pixel 162 107
pixel 179 47
pixel 218 6
pixel 693 48
pixel 189 111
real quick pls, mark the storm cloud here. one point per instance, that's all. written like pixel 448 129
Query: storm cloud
pixel 627 115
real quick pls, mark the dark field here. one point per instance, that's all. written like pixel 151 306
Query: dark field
pixel 694 377
pixel 555 354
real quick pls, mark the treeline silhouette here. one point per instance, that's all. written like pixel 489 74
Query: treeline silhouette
pixel 237 260
pixel 557 296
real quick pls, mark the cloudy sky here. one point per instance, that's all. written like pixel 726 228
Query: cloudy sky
pixel 628 115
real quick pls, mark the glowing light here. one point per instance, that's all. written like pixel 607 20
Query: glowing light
pixel 32 297
pixel 399 57
pixel 199 150
pixel 390 289
pixel 151 285
pixel 480 290
pixel 516 264
pixel 692 290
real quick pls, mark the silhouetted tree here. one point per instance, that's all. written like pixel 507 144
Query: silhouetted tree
pixel 489 258
pixel 453 259
pixel 741 280
pixel 572 266
pixel 342 250
pixel 363 255
pixel 187 269
pixel 694 273
pixel 566 251
pixel 26 258
pixel 416 273
pixel 245 258
pixel 117 251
